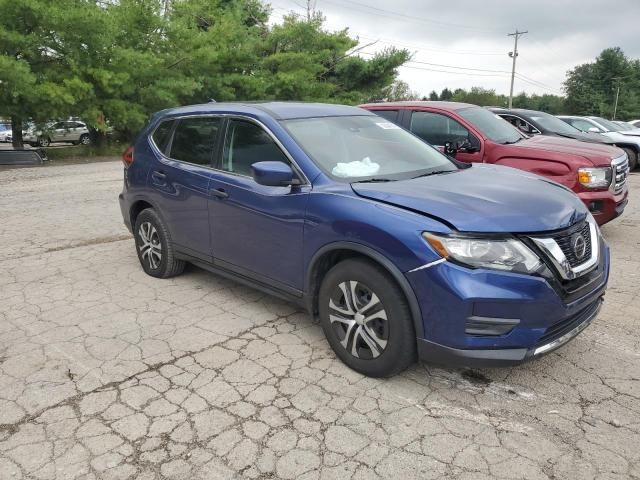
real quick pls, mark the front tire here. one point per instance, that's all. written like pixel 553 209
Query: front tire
pixel 633 158
pixel 153 246
pixel 85 139
pixel 366 319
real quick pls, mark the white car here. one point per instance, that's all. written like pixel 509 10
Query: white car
pixel 70 131
pixel 627 140
pixel 5 133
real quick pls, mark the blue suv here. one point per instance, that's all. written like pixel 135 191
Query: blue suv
pixel 401 251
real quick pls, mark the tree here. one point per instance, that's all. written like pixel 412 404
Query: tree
pixel 121 60
pixel 43 45
pixel 433 96
pixel 477 96
pixel 399 91
pixel 591 87
pixel 446 94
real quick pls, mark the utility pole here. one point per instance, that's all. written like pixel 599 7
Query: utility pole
pixel 615 105
pixel 514 55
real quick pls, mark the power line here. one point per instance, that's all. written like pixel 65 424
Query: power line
pixel 383 12
pixel 459 68
pixel 423 47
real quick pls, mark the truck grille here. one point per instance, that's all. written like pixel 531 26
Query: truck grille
pixel 564 242
pixel 620 168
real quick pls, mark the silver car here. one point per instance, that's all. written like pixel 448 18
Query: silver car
pixel 70 131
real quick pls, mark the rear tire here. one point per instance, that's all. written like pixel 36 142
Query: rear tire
pixel 366 319
pixel 633 158
pixel 44 141
pixel 153 246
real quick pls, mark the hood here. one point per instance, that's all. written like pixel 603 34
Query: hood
pixel 588 137
pixel 633 133
pixel 598 154
pixel 483 198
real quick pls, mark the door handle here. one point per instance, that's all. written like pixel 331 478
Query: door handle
pixel 159 178
pixel 219 192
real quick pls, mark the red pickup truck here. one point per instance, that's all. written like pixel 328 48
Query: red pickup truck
pixel 596 173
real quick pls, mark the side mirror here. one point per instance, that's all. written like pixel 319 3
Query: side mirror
pixel 450 149
pixel 273 174
pixel 594 130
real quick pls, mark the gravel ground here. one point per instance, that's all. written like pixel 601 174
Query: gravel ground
pixel 108 373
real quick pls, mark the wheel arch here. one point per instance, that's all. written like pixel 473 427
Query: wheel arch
pixel 329 255
pixel 138 206
pixel 630 146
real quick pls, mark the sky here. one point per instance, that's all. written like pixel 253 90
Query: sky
pixel 464 43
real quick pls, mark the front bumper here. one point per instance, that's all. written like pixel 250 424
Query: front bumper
pixel 487 358
pixel 536 315
pixel 604 205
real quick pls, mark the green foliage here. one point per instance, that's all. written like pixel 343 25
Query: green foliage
pixel 591 87
pixel 117 61
pixel 399 91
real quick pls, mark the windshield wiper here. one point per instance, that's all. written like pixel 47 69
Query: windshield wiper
pixel 374 180
pixel 436 172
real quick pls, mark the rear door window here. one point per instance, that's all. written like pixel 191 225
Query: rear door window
pixel 437 129
pixel 391 115
pixel 195 140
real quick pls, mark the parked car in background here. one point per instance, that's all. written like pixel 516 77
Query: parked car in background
pixel 401 251
pixel 72 131
pixel 532 122
pixel 628 140
pixel 625 126
pixel 596 173
pixel 5 133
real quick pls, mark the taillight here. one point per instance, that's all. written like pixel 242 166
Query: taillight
pixel 127 156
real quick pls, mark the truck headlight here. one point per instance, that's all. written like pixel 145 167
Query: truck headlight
pixel 595 177
pixel 507 254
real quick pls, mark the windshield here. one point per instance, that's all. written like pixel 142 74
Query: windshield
pixel 624 126
pixel 610 126
pixel 553 124
pixel 361 148
pixel 492 126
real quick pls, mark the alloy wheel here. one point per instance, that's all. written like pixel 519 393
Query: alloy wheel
pixel 150 246
pixel 85 140
pixel 359 320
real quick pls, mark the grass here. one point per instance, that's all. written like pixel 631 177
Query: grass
pixel 85 152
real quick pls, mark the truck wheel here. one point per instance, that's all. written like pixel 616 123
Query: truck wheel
pixel 366 319
pixel 633 158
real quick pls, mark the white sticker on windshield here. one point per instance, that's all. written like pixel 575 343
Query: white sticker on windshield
pixel 388 125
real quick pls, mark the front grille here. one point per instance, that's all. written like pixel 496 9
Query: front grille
pixel 564 241
pixel 558 329
pixel 620 167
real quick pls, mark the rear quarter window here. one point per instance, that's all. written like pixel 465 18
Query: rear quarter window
pixel 161 134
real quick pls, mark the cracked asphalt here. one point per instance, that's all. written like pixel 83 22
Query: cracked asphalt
pixel 106 373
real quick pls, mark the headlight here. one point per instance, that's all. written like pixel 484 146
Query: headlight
pixel 508 254
pixel 595 177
